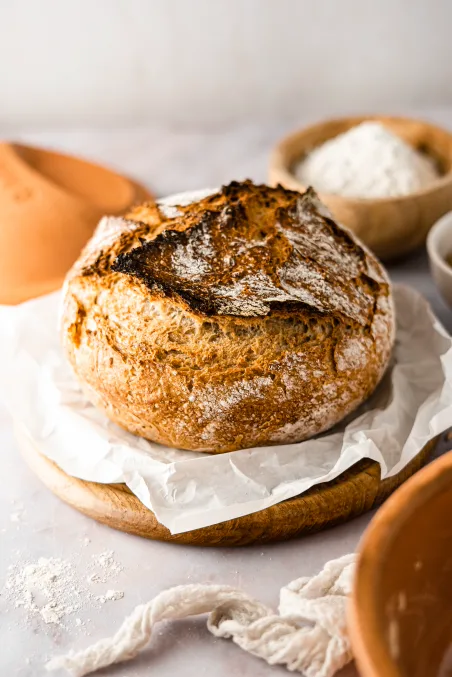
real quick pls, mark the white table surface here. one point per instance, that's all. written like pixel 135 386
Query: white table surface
pixel 168 162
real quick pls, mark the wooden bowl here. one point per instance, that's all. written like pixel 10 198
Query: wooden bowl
pixel 400 617
pixel 391 227
pixel 49 206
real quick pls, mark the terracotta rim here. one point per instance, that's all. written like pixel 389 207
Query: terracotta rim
pixel 138 192
pixel 279 165
pixel 369 647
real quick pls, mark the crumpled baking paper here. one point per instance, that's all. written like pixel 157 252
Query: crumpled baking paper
pixel 188 490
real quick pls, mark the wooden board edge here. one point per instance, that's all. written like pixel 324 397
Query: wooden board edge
pixel 350 495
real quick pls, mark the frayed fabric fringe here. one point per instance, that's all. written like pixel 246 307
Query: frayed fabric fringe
pixel 308 635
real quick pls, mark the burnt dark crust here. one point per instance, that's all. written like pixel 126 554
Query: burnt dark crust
pixel 252 251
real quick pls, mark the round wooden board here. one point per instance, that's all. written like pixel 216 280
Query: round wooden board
pixel 351 494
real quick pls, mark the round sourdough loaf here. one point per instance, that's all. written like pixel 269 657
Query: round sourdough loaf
pixel 244 318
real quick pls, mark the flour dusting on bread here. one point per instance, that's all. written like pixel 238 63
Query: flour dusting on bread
pixel 169 207
pixel 245 318
pixel 294 255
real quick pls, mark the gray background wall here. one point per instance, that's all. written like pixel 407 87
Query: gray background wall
pixel 216 62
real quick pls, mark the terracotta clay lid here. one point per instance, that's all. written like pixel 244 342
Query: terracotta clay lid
pixel 49 205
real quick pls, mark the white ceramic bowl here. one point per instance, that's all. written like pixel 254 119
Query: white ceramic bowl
pixel 439 247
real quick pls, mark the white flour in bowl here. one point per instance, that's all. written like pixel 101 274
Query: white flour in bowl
pixel 368 161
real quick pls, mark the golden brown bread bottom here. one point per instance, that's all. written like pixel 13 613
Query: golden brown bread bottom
pixel 245 319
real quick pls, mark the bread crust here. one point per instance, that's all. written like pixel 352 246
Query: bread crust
pixel 245 319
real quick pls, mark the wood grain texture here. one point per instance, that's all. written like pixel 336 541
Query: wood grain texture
pixel 391 227
pixel 351 494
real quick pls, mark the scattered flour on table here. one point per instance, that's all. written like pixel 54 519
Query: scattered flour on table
pixel 18 513
pixel 53 589
pixel 106 567
pixel 110 595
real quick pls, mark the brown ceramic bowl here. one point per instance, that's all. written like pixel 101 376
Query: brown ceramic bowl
pixel 400 616
pixel 49 206
pixel 391 227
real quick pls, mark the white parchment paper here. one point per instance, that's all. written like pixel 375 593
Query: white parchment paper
pixel 189 490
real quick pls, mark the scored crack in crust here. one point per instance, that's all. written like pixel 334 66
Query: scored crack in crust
pixel 245 318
